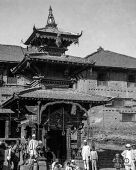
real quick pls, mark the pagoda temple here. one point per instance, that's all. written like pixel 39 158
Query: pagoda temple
pixel 51 105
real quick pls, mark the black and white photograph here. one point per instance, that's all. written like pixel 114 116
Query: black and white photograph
pixel 67 84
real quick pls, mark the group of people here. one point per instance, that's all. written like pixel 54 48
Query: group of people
pixel 30 150
pixel 70 165
pixel 89 156
pixel 127 157
pixel 19 152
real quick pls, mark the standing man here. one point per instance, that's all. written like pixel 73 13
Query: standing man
pixel 86 154
pixel 134 150
pixel 94 158
pixel 129 158
pixel 2 153
pixel 32 147
pixel 15 154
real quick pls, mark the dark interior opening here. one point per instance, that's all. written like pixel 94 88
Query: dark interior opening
pixel 57 143
pixel 2 129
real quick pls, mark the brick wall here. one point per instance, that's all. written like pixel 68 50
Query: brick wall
pixel 106 124
pixel 116 85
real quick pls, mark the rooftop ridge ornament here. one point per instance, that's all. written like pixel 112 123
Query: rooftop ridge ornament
pixel 51 20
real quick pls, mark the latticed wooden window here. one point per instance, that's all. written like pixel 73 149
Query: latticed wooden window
pixel 102 79
pixel 131 78
pixel 128 117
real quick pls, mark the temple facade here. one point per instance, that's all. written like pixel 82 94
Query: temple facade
pixel 49 103
pixel 64 99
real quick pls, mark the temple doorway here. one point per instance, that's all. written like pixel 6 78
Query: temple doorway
pixel 57 143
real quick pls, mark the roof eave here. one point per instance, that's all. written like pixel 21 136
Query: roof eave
pixel 62 62
pixel 16 69
pixel 111 67
pixel 62 34
pixel 54 99
pixel 72 36
pixel 27 42
pixel 8 102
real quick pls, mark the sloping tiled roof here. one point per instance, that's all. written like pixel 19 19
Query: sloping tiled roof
pixel 63 58
pixel 10 90
pixel 5 111
pixel 52 32
pixel 111 59
pixel 62 95
pixel 56 30
pixel 12 53
pixel 55 94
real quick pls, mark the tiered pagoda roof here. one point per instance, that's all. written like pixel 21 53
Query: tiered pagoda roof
pixel 51 39
pixel 64 59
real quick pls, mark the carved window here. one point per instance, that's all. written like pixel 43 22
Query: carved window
pixel 102 79
pixel 131 80
pixel 128 117
pixel 11 79
pixel 1 78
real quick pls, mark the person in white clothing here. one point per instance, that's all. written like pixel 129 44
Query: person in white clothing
pixel 86 155
pixel 129 158
pixel 32 147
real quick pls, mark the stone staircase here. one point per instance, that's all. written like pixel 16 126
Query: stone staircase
pixel 106 157
pixel 105 160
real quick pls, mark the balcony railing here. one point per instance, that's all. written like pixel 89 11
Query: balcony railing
pixel 12 80
pixel 102 83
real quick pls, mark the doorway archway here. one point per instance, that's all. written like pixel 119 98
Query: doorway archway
pixel 55 139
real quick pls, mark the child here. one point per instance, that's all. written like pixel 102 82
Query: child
pixel 68 167
pixel 117 162
pixel 73 165
pixel 57 166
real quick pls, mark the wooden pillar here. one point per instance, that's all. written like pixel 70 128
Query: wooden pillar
pixel 45 139
pixel 23 131
pixel 5 160
pixel 78 138
pixel 68 136
pixel 78 156
pixel 43 135
pixel 7 129
pixel 39 119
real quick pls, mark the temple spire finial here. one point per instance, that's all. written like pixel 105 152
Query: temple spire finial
pixel 51 20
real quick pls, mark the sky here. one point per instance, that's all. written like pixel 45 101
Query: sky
pixel 110 24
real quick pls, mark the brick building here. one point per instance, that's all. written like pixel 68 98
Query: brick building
pixel 113 75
